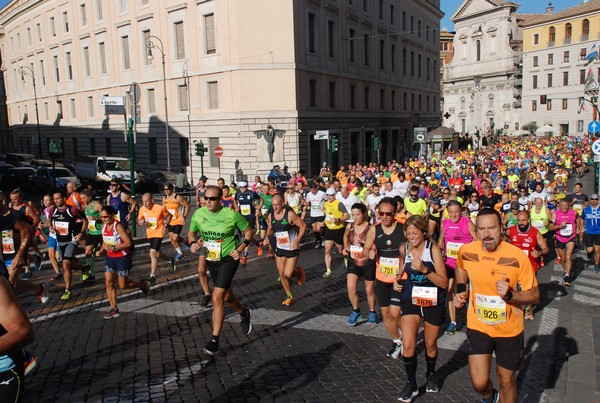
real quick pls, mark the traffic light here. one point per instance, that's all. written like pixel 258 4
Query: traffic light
pixel 376 143
pixel 200 149
pixel 334 144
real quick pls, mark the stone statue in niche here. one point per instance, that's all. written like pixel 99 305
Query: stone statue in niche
pixel 269 134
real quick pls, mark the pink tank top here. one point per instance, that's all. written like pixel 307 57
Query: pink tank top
pixel 455 235
pixel 569 231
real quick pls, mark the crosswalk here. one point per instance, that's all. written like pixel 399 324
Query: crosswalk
pixel 585 289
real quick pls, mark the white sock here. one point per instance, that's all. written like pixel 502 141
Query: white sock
pixel 179 251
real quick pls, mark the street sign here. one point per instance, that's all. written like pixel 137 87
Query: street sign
pixel 594 126
pixel 596 147
pixel 104 101
pixel 138 114
pixel 420 135
pixel 218 151
pixel 322 135
pixel 596 158
pixel 134 93
pixel 114 110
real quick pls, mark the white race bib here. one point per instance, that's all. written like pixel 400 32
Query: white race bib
pixel 424 296
pixel 490 309
pixel 452 249
pixel 213 250
pixel 62 227
pixel 356 252
pixel 245 209
pixel 283 240
pixel 538 224
pixel 567 230
pixel 109 240
pixel 151 223
pixel 8 243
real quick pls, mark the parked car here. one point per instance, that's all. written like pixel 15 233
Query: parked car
pixel 43 180
pixel 18 177
pixel 45 163
pixel 155 180
pixel 20 159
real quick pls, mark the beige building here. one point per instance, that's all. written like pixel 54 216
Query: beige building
pixel 358 68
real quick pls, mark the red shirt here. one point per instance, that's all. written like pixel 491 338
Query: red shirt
pixel 526 241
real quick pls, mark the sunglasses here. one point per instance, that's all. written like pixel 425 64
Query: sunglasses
pixel 594 199
pixel 211 198
pixel 385 214
pixel 113 184
pixel 104 216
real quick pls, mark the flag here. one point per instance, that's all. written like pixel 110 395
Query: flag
pixel 593 55
pixel 581 105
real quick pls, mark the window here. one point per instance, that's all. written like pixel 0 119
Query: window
pixel 490 101
pixel 74 146
pixel 52 27
pixel 42 73
pixel 419 66
pixel 184 151
pixel 393 58
pixel 213 95
pixel 583 54
pixel 83 14
pixel 427 69
pixel 551 36
pixel 381 55
pixel 99 14
pixel 352 45
pixel 125 51
pixel 72 106
pixel 108 146
pixel 92 146
pixel 367 98
pixel 535 82
pixel 312 33
pixel 382 100
pixel 581 76
pixel 182 95
pixel 404 21
pixel 550 80
pixel 566 56
pixel 419 28
pixel 151 100
pixel 331 39
pixel 179 40
pixel 86 61
pixel 550 58
pixel 210 34
pixel 412 25
pixel 90 105
pixel 534 105
pixel 404 101
pixel 393 99
pixel 366 47
pixel 565 103
pixel 152 151
pixel 565 78
pixel 478 50
pixel 568 33
pixel 392 14
pixel 312 93
pixel 38 31
pixel 102 57
pixel 29 36
pixel 56 69
pixel 535 62
pixel 549 105
pixel 536 39
pixel 144 2
pixel 404 62
pixel 65 21
pixel 69 65
pixel 147 50
pixel 412 64
pixel 332 94
pixel 122 6
pixel 585 30
pixel 381 5
pixel 420 102
pixel 353 97
pixel 366 6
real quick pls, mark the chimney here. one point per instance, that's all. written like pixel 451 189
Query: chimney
pixel 550 8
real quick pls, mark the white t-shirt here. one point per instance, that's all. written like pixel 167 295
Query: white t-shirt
pixel 402 187
pixel 390 193
pixel 534 195
pixel 316 203
pixel 372 201
pixel 348 202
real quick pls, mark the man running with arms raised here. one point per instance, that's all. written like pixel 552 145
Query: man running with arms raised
pixel 493 270
pixel 218 225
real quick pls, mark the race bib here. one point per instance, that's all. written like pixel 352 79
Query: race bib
pixel 356 252
pixel 109 240
pixel 91 224
pixel 330 218
pixel 538 224
pixel 8 243
pixel 467 182
pixel 62 227
pixel 263 211
pixel 452 249
pixel 567 230
pixel 172 212
pixel 578 208
pixel 151 223
pixel 245 209
pixel 213 250
pixel 424 296
pixel 315 207
pixel 283 240
pixel 490 309
pixel 389 266
pixel 118 216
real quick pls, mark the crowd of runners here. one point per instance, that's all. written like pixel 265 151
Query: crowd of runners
pixel 427 236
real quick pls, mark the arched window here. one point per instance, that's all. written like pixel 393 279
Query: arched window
pixel 568 31
pixel 478 46
pixel 585 30
pixel 551 35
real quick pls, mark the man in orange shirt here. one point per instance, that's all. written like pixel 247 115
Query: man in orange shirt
pixel 73 197
pixel 179 208
pixel 156 218
pixel 500 279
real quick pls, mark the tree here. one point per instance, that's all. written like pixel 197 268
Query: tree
pixel 531 127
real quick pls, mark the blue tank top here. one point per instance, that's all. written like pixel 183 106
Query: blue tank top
pixel 121 207
pixel 415 278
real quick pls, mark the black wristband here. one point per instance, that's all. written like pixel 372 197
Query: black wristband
pixel 246 242
pixel 460 288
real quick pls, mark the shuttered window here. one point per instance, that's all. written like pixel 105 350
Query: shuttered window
pixel 179 40
pixel 213 95
pixel 209 34
pixel 125 50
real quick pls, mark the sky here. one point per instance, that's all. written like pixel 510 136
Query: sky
pixel 449 7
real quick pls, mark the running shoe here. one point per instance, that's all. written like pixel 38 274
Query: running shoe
pixel 596 268
pixel 85 273
pixel 151 279
pixel 395 351
pixel 245 323
pixel 112 314
pixel 318 245
pixel 67 295
pixel 27 275
pixel 173 264
pixel 372 320
pixel 38 262
pixel 270 255
pixel 56 276
pixel 433 385
pixel 289 300
pixel 354 318
pixel 279 279
pixel 205 300
pixel 408 393
pixel 186 247
pixel 179 256
pixel 211 348
pixel 44 294
pixel 144 287
pixel 300 276
pixel 566 280
pixel 31 362
pixel 259 249
pixel 451 329
pixel 91 278
pixel 557 261
pixel 494 398
pixel 243 259
pixel 327 274
pixel 528 313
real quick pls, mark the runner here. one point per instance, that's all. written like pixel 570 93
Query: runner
pixel 201 268
pixel 116 244
pixel 566 225
pixel 53 252
pixel 179 209
pixel 122 202
pixel 218 226
pixel 413 204
pixel 422 281
pixel 494 270
pixel 590 218
pixel 386 239
pixel 529 240
pixel 359 265
pixel 333 226
pixel 455 231
pixel 315 199
pixel 266 195
pixel 30 213
pixel 246 202
pixel 157 219
pixel 288 230
pixel 93 237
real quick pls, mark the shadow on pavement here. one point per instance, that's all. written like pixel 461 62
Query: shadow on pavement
pixel 548 293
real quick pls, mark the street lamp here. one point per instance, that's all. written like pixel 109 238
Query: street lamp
pixel 24 70
pixel 150 44
pixel 186 80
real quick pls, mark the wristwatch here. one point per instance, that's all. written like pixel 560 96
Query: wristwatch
pixel 508 296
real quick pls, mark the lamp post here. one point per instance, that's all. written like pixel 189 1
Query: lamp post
pixel 151 44
pixel 186 80
pixel 24 70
